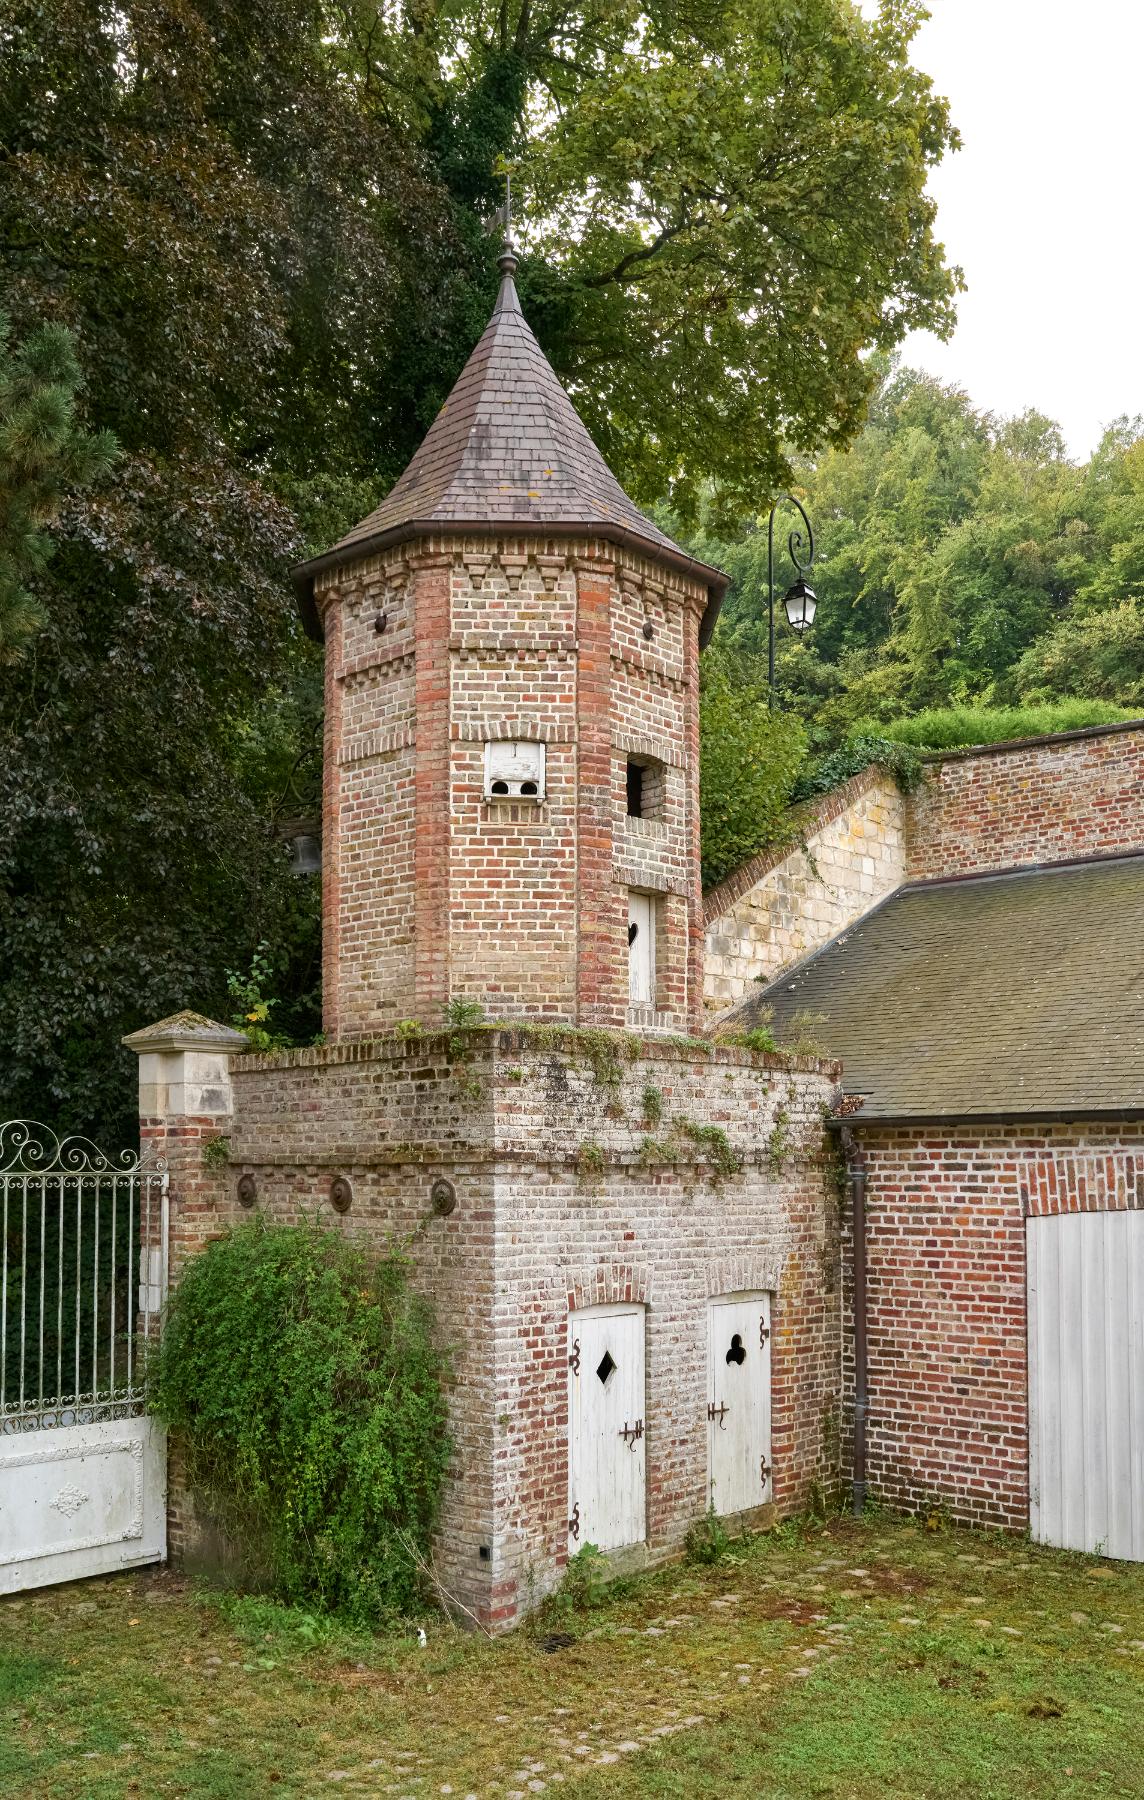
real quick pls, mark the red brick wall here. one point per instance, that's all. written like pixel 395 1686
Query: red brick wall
pixel 430 890
pixel 945 1209
pixel 1040 801
pixel 368 827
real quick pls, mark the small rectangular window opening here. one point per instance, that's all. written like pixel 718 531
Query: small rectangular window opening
pixel 635 791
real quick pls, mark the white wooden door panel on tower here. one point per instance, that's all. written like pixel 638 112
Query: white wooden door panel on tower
pixel 641 949
pixel 1086 1381
pixel 606 1463
pixel 739 1403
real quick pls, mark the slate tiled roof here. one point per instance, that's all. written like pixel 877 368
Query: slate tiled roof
pixel 998 996
pixel 508 448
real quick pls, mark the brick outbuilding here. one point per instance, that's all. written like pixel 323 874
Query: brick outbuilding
pixel 630 1235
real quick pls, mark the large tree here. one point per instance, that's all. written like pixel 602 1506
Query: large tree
pixel 263 222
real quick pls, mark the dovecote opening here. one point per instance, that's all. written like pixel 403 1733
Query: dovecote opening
pixel 646 788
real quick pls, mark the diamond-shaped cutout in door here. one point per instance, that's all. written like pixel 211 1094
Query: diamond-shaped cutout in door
pixel 606 1367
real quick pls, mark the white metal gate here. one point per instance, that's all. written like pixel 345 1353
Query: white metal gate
pixel 1086 1381
pixel 606 1466
pixel 82 1281
pixel 739 1403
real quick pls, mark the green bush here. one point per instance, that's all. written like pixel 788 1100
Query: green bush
pixel 951 728
pixel 856 754
pixel 747 767
pixel 305 1385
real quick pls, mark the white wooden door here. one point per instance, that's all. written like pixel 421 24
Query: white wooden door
pixel 739 1403
pixel 641 949
pixel 1086 1382
pixel 606 1463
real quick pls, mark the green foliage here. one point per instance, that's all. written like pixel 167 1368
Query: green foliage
pixel 306 1388
pixel 707 1541
pixel 749 761
pixel 216 1152
pixel 963 562
pixel 590 1159
pixel 585 1585
pixel 951 728
pixel 799 1034
pixel 761 1040
pixel 778 1141
pixel 859 752
pixel 253 1007
pixel 651 1104
pixel 43 453
pixel 713 1143
pixel 462 1014
pixel 262 223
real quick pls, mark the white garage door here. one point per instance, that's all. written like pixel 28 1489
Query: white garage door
pixel 1086 1382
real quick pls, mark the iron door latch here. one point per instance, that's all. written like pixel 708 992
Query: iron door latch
pixel 718 1412
pixel 632 1434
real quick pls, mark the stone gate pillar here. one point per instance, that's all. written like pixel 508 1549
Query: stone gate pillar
pixel 185 1107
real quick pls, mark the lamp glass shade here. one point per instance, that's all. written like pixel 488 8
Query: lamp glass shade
pixel 801 604
pixel 305 854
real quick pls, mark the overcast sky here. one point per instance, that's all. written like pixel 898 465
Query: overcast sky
pixel 1043 207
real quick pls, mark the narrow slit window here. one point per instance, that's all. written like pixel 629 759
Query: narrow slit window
pixel 635 790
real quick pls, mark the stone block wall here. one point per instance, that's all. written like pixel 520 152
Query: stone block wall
pixel 784 904
pixel 568 1195
pixel 1040 800
pixel 948 1381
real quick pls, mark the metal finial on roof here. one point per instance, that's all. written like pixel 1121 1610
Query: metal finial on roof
pixel 506 262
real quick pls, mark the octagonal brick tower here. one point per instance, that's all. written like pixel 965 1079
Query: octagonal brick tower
pixel 511 798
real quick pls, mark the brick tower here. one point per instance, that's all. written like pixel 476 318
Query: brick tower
pixel 511 808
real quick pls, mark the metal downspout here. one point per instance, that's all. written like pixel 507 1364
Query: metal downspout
pixel 856 1180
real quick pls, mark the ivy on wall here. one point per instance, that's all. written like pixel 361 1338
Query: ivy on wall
pixel 306 1387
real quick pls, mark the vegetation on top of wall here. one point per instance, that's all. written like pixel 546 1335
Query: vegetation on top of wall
pixel 952 727
pixel 305 1385
pixel 860 751
pixel 750 759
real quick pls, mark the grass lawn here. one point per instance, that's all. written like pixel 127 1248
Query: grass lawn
pixel 872 1660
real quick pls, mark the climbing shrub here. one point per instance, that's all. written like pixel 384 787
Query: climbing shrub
pixel 306 1387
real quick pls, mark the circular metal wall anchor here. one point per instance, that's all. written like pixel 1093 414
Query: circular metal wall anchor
pixel 648 630
pixel 380 623
pixel 341 1194
pixel 443 1196
pixel 247 1190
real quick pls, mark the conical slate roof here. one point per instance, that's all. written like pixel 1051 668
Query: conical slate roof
pixel 507 448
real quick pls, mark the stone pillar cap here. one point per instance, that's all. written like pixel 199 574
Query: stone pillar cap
pixel 186 1030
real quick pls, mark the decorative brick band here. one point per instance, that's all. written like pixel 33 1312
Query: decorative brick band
pixel 394 657
pixel 377 743
pixel 633 744
pixel 812 815
pixel 611 1284
pixel 746 1275
pixel 1083 1182
pixel 526 727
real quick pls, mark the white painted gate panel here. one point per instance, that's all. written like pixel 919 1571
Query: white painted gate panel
pixel 83 1240
pixel 739 1403
pixel 81 1500
pixel 606 1464
pixel 1086 1381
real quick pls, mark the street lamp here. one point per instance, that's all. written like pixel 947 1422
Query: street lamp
pixel 800 601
